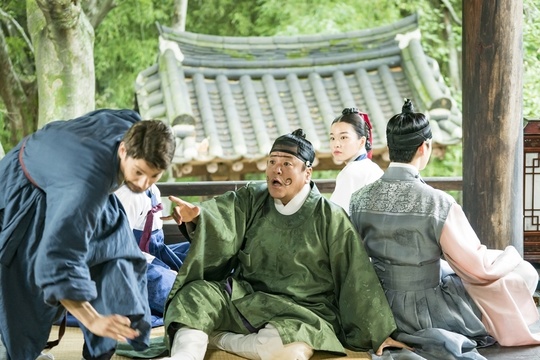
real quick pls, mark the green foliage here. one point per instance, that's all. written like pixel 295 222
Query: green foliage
pixel 433 15
pixel 531 61
pixel 223 17
pixel 255 177
pixel 20 54
pixel 309 17
pixel 4 134
pixel 449 165
pixel 126 43
pixel 275 17
pixel 127 40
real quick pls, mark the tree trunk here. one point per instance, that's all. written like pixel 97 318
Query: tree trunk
pixel 64 55
pixel 180 14
pixel 492 120
pixel 453 56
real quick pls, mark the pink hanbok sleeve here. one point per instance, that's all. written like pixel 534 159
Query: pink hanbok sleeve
pixel 500 282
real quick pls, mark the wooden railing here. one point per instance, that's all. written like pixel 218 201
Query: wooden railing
pixel 326 186
pixel 213 188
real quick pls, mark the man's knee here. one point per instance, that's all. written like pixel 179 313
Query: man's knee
pixel 199 304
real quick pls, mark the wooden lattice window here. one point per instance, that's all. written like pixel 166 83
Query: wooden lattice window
pixel 531 191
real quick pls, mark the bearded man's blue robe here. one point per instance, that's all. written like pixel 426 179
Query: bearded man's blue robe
pixel 64 235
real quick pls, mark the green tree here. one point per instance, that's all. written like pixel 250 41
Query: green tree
pixel 46 56
pixel 126 41
pixel 531 60
pixel 18 91
pixel 49 45
pixel 63 41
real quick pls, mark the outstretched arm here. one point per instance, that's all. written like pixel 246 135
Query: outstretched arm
pixel 470 259
pixel 183 212
pixel 116 327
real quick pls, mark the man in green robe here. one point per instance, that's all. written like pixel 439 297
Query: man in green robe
pixel 275 271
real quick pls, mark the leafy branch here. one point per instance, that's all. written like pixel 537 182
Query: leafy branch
pixel 98 10
pixel 19 28
pixel 452 12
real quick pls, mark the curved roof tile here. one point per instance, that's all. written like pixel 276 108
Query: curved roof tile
pixel 228 98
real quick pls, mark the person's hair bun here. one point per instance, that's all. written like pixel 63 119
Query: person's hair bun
pixel 408 107
pixel 351 110
pixel 300 133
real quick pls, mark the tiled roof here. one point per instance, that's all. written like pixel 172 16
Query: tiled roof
pixel 230 97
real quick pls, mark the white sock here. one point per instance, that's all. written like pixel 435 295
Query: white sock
pixel 189 344
pixel 239 344
pixel 45 356
pixel 264 345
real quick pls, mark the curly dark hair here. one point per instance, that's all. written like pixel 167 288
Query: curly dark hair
pixel 152 141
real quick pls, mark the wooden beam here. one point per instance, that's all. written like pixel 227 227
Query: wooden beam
pixel 325 186
pixel 492 120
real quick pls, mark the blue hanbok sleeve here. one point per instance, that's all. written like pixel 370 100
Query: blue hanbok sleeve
pixel 75 169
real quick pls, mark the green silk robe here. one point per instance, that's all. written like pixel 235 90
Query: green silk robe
pixel 309 268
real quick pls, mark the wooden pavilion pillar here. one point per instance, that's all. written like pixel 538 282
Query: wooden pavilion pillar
pixel 492 120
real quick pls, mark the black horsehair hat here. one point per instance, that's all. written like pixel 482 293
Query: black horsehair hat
pixel 296 144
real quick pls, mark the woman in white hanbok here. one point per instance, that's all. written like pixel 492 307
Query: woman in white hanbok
pixel 350 142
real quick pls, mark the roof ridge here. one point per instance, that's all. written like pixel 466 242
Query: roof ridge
pixel 314 40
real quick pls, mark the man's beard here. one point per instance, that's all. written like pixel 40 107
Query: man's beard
pixel 134 188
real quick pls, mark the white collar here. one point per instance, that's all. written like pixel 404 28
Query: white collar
pixel 403 165
pixel 360 153
pixel 296 202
